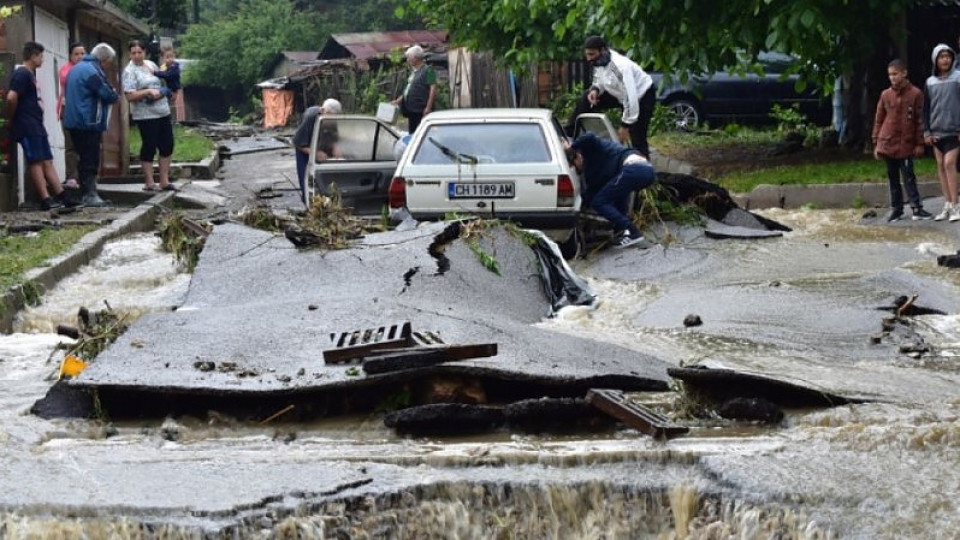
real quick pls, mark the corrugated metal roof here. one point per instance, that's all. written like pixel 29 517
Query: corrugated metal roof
pixel 366 45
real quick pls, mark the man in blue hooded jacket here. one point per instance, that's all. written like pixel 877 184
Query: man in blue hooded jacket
pixel 611 173
pixel 86 113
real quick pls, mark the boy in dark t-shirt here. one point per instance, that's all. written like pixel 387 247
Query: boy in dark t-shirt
pixel 25 114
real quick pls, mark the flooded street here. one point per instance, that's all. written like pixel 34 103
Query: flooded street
pixel 803 305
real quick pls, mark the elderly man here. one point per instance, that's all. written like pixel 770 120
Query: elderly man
pixel 618 82
pixel 86 110
pixel 326 147
pixel 421 90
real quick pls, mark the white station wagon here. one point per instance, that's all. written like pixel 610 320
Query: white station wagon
pixel 495 163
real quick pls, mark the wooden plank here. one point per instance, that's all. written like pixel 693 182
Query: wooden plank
pixel 401 359
pixel 389 360
pixel 614 403
pixel 195 227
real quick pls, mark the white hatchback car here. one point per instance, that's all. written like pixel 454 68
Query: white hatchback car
pixel 495 163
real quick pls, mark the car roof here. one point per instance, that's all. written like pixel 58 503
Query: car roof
pixel 490 114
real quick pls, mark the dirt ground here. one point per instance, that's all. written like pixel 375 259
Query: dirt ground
pixel 713 161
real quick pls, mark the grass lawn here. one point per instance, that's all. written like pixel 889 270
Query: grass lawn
pixel 857 169
pixel 189 146
pixel 744 158
pixel 19 253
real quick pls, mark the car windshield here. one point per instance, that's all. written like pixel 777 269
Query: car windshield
pixel 503 142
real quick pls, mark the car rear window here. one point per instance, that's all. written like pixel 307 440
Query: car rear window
pixel 502 142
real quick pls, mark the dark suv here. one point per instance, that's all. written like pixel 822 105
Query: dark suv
pixel 746 99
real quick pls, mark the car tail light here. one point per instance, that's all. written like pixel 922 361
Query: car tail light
pixel 398 192
pixel 565 191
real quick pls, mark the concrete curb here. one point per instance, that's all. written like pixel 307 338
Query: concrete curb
pixel 205 169
pixel 870 194
pixel 139 219
pixel 827 195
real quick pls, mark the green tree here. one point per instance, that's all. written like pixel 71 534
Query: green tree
pixel 234 53
pixel 678 37
pixel 169 13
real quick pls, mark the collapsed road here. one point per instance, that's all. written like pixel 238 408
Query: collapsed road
pixel 800 309
pixel 250 336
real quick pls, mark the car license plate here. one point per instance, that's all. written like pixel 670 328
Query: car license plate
pixel 481 190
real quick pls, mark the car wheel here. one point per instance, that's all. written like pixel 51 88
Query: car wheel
pixel 570 247
pixel 685 114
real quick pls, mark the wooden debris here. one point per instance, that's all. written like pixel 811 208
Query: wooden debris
pixel 906 305
pixel 69 331
pixel 636 416
pixel 277 414
pixel 195 227
pixel 389 360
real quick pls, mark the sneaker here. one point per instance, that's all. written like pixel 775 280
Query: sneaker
pixel 920 213
pixel 945 213
pixel 955 213
pixel 50 204
pixel 895 215
pixel 626 240
pixel 67 198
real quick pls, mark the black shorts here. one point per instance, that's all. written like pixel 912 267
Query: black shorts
pixel 946 144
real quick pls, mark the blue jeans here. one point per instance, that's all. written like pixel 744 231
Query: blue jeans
pixel 613 196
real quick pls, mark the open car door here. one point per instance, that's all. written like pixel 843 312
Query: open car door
pixel 358 159
pixel 598 124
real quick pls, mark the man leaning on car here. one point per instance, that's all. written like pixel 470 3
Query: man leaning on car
pixel 618 82
pixel 612 172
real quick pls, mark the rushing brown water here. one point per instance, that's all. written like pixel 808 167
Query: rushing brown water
pixel 887 469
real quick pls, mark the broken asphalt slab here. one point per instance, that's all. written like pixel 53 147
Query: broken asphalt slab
pixel 763 316
pixel 261 312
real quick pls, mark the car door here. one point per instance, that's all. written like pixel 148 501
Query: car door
pixel 596 123
pixel 783 90
pixel 779 89
pixel 360 164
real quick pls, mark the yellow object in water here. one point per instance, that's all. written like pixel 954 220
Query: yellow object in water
pixel 71 366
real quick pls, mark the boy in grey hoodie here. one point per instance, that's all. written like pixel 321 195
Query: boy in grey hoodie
pixel 941 125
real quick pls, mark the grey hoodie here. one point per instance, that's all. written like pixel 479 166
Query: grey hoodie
pixel 941 100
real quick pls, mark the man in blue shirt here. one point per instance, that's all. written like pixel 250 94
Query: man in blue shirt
pixel 611 173
pixel 25 112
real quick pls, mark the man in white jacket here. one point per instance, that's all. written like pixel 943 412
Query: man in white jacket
pixel 618 82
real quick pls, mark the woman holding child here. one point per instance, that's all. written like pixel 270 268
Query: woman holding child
pixel 150 110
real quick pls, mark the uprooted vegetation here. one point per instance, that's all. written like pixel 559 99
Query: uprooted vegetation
pixel 184 238
pixel 95 331
pixel 328 224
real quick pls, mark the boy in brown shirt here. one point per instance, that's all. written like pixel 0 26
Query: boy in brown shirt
pixel 898 138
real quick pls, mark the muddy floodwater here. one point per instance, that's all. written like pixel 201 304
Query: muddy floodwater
pixel 801 305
